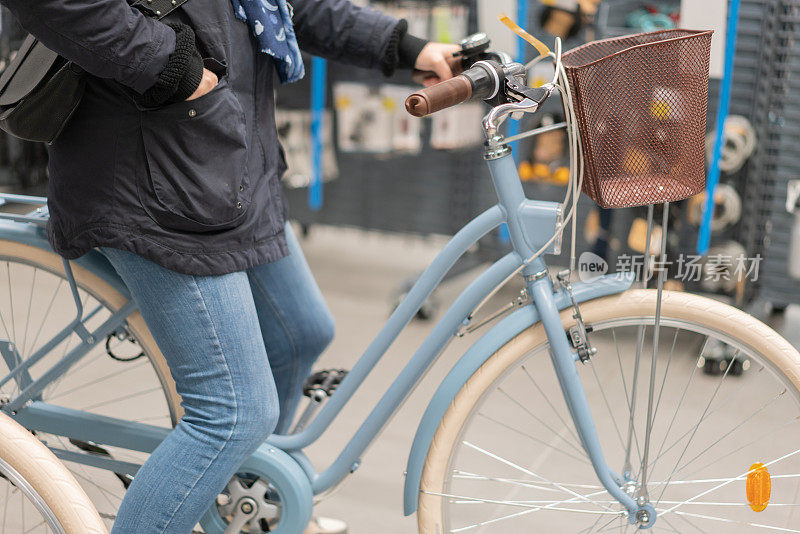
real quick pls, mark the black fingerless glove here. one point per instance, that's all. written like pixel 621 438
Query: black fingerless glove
pixel 402 51
pixel 183 73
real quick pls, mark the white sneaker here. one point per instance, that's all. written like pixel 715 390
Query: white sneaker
pixel 326 525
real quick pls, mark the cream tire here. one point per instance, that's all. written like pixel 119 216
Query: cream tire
pixel 712 314
pixel 48 478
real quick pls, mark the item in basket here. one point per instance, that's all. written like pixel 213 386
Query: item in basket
pixel 667 104
pixel 636 161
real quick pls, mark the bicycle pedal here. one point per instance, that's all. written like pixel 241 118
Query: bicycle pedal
pixel 325 381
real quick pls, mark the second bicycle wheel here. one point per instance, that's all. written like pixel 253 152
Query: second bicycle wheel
pixel 506 456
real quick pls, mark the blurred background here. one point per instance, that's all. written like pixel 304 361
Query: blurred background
pixel 357 160
pixel 376 192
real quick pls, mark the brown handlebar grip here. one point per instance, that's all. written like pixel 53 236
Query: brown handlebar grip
pixel 440 96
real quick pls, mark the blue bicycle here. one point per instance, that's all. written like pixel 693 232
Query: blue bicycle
pixel 579 407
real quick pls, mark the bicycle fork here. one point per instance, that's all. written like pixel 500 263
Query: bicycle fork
pixel 540 289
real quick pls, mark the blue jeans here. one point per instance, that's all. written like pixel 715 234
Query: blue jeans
pixel 239 347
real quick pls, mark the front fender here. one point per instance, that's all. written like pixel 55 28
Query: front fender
pixel 477 354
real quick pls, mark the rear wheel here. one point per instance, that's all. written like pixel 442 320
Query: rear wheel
pixel 506 456
pixel 124 376
pixel 38 493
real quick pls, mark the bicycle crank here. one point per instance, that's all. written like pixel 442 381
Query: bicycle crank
pixel 249 503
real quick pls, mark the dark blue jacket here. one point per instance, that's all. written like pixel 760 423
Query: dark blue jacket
pixel 193 185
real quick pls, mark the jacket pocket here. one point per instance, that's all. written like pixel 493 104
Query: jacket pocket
pixel 196 155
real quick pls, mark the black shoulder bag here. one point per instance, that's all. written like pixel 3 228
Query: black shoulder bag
pixel 40 90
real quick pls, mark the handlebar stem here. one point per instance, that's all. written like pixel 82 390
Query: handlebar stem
pixel 496 117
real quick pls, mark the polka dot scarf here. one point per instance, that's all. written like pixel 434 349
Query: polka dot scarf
pixel 271 22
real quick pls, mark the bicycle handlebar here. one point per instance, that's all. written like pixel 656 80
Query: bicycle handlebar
pixel 481 82
pixel 440 96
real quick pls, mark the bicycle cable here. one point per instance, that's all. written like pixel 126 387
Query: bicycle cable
pixel 574 185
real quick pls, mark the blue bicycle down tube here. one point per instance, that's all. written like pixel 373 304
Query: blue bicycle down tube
pixel 704 237
pixel 319 74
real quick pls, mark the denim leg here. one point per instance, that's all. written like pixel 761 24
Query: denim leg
pixel 295 322
pixel 207 328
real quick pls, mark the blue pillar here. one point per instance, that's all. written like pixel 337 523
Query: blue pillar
pixel 704 238
pixel 319 72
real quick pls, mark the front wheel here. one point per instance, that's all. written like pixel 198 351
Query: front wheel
pixel 506 456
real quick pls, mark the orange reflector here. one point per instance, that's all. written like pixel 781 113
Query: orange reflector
pixel 759 487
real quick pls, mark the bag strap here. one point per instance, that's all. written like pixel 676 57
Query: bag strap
pixel 158 8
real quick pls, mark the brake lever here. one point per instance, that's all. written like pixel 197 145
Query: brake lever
pixel 526 100
pixel 521 92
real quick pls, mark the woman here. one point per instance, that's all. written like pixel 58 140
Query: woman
pixel 171 165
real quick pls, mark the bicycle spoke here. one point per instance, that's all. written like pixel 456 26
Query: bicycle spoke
pixel 729 481
pixel 634 384
pixel 697 426
pixel 608 405
pixel 672 526
pixel 522 482
pixel 536 418
pixel 686 520
pixel 683 397
pixel 531 506
pixel 745 523
pixel 732 430
pixel 522 469
pixel 552 507
pixel 552 407
pixel 663 383
pixel 5 506
pixel 11 307
pixel 591 527
pixel 654 359
pixel 28 317
pixel 34 527
pixel 533 438
pixel 527 471
pixel 625 389
pixel 99 380
pixel 605 527
pixel 120 399
pixel 492 521
pixel 45 317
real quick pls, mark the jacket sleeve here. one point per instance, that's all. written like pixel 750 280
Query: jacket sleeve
pixel 341 31
pixel 107 38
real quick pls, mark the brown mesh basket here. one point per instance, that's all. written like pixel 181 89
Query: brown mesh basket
pixel 641 103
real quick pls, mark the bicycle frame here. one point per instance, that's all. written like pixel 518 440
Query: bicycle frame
pixel 531 224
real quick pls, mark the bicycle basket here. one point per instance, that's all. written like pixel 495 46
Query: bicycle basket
pixel 641 102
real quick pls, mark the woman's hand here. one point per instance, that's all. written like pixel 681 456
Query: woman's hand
pixel 208 82
pixel 438 58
